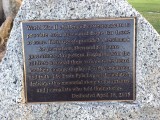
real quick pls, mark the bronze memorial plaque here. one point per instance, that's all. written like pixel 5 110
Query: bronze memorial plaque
pixel 79 60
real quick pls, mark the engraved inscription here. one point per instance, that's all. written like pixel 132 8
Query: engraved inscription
pixel 79 60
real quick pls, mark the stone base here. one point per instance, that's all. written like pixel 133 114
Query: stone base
pixel 147 104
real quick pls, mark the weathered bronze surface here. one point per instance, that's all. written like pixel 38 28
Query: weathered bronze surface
pixel 79 60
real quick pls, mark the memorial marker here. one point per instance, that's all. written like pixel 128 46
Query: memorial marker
pixel 79 60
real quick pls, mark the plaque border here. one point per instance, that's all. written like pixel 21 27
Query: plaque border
pixel 24 89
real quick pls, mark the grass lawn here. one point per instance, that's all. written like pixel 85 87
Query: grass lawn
pixel 150 9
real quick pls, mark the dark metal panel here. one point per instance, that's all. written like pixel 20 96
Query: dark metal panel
pixel 79 60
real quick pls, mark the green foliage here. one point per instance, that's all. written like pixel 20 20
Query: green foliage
pixel 150 9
